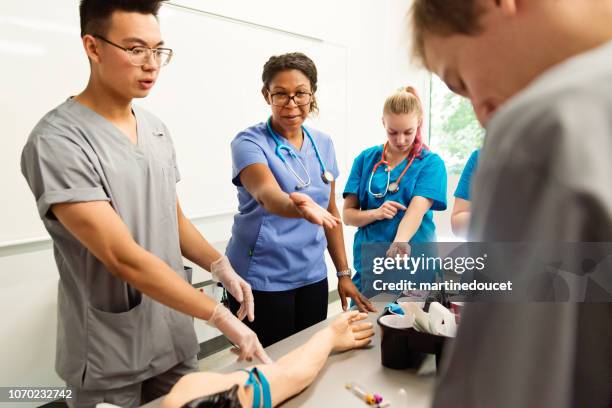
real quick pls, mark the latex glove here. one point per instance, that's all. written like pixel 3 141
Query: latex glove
pixel 223 272
pixel 246 341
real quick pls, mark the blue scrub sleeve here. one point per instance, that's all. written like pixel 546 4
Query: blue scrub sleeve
pixel 431 183
pixel 332 163
pixel 354 179
pixel 244 153
pixel 59 171
pixel 463 187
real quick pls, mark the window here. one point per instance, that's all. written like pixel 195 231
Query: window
pixel 454 130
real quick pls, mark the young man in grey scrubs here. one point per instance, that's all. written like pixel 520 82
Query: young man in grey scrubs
pixel 103 173
pixel 539 75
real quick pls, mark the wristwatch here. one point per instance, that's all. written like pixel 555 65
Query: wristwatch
pixel 346 272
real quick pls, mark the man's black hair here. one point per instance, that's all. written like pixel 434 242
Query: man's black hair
pixel 96 14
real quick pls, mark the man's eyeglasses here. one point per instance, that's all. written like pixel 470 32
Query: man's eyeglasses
pixel 140 55
pixel 282 99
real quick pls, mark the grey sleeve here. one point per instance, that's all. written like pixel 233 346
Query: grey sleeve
pixel 544 179
pixel 58 170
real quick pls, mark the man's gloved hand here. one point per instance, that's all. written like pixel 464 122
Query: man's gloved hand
pixel 222 271
pixel 248 345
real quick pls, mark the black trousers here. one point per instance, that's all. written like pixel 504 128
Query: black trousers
pixel 280 314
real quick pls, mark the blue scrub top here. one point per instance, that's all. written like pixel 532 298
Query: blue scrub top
pixel 463 188
pixel 426 177
pixel 270 252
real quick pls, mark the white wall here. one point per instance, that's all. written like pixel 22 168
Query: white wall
pixel 378 63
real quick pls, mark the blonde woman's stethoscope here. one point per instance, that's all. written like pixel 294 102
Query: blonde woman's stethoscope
pixel 391 187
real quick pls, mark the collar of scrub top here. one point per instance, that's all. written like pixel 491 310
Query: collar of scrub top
pixel 326 176
pixel 392 187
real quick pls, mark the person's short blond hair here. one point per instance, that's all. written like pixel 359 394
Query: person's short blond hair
pixel 443 18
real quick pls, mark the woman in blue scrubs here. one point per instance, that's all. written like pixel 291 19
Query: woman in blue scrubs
pixel 394 188
pixel 287 214
pixel 460 218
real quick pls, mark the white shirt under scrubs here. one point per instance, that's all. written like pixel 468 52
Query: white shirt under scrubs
pixel 109 334
pixel 544 175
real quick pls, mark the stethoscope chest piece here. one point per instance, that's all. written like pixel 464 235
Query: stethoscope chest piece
pixel 327 177
pixel 393 187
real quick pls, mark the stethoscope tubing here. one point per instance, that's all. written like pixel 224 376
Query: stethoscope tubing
pixel 383 160
pixel 280 147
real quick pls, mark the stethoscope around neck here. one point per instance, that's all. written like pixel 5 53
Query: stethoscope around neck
pixel 391 187
pixel 326 176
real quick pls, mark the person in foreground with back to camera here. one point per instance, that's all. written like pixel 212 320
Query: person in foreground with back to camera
pixel 285 175
pixel 103 172
pixel 269 385
pixel 539 75
pixel 394 188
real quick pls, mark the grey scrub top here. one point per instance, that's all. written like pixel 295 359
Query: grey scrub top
pixel 109 334
pixel 544 175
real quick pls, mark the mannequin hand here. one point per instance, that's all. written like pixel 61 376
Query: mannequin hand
pixel 347 334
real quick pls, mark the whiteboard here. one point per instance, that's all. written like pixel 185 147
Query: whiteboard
pixel 209 92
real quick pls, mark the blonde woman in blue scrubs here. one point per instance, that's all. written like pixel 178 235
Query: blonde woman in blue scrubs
pixel 284 172
pixel 393 189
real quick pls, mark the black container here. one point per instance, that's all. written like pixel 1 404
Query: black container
pixel 407 348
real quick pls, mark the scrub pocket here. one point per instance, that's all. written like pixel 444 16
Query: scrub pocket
pixel 119 344
pixel 163 179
